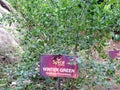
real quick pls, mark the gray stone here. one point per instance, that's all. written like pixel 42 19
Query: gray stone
pixel 10 49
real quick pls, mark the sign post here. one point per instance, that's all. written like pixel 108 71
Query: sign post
pixel 58 66
pixel 58 85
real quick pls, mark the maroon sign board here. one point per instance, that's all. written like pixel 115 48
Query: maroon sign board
pixel 114 54
pixel 58 66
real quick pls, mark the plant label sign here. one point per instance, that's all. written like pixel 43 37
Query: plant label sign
pixel 58 66
pixel 114 54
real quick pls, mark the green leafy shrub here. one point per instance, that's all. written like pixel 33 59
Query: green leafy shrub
pixel 65 27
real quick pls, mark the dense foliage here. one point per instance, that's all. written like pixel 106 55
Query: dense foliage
pixel 65 27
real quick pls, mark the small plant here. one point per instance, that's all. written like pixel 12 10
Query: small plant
pixel 65 27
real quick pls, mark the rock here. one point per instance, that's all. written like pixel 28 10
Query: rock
pixel 8 46
pixel 10 49
pixel 6 7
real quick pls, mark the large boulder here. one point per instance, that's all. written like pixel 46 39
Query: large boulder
pixel 10 49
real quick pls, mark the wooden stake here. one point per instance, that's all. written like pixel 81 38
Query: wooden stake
pixel 58 84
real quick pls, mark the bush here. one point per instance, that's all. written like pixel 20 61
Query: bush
pixel 65 27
